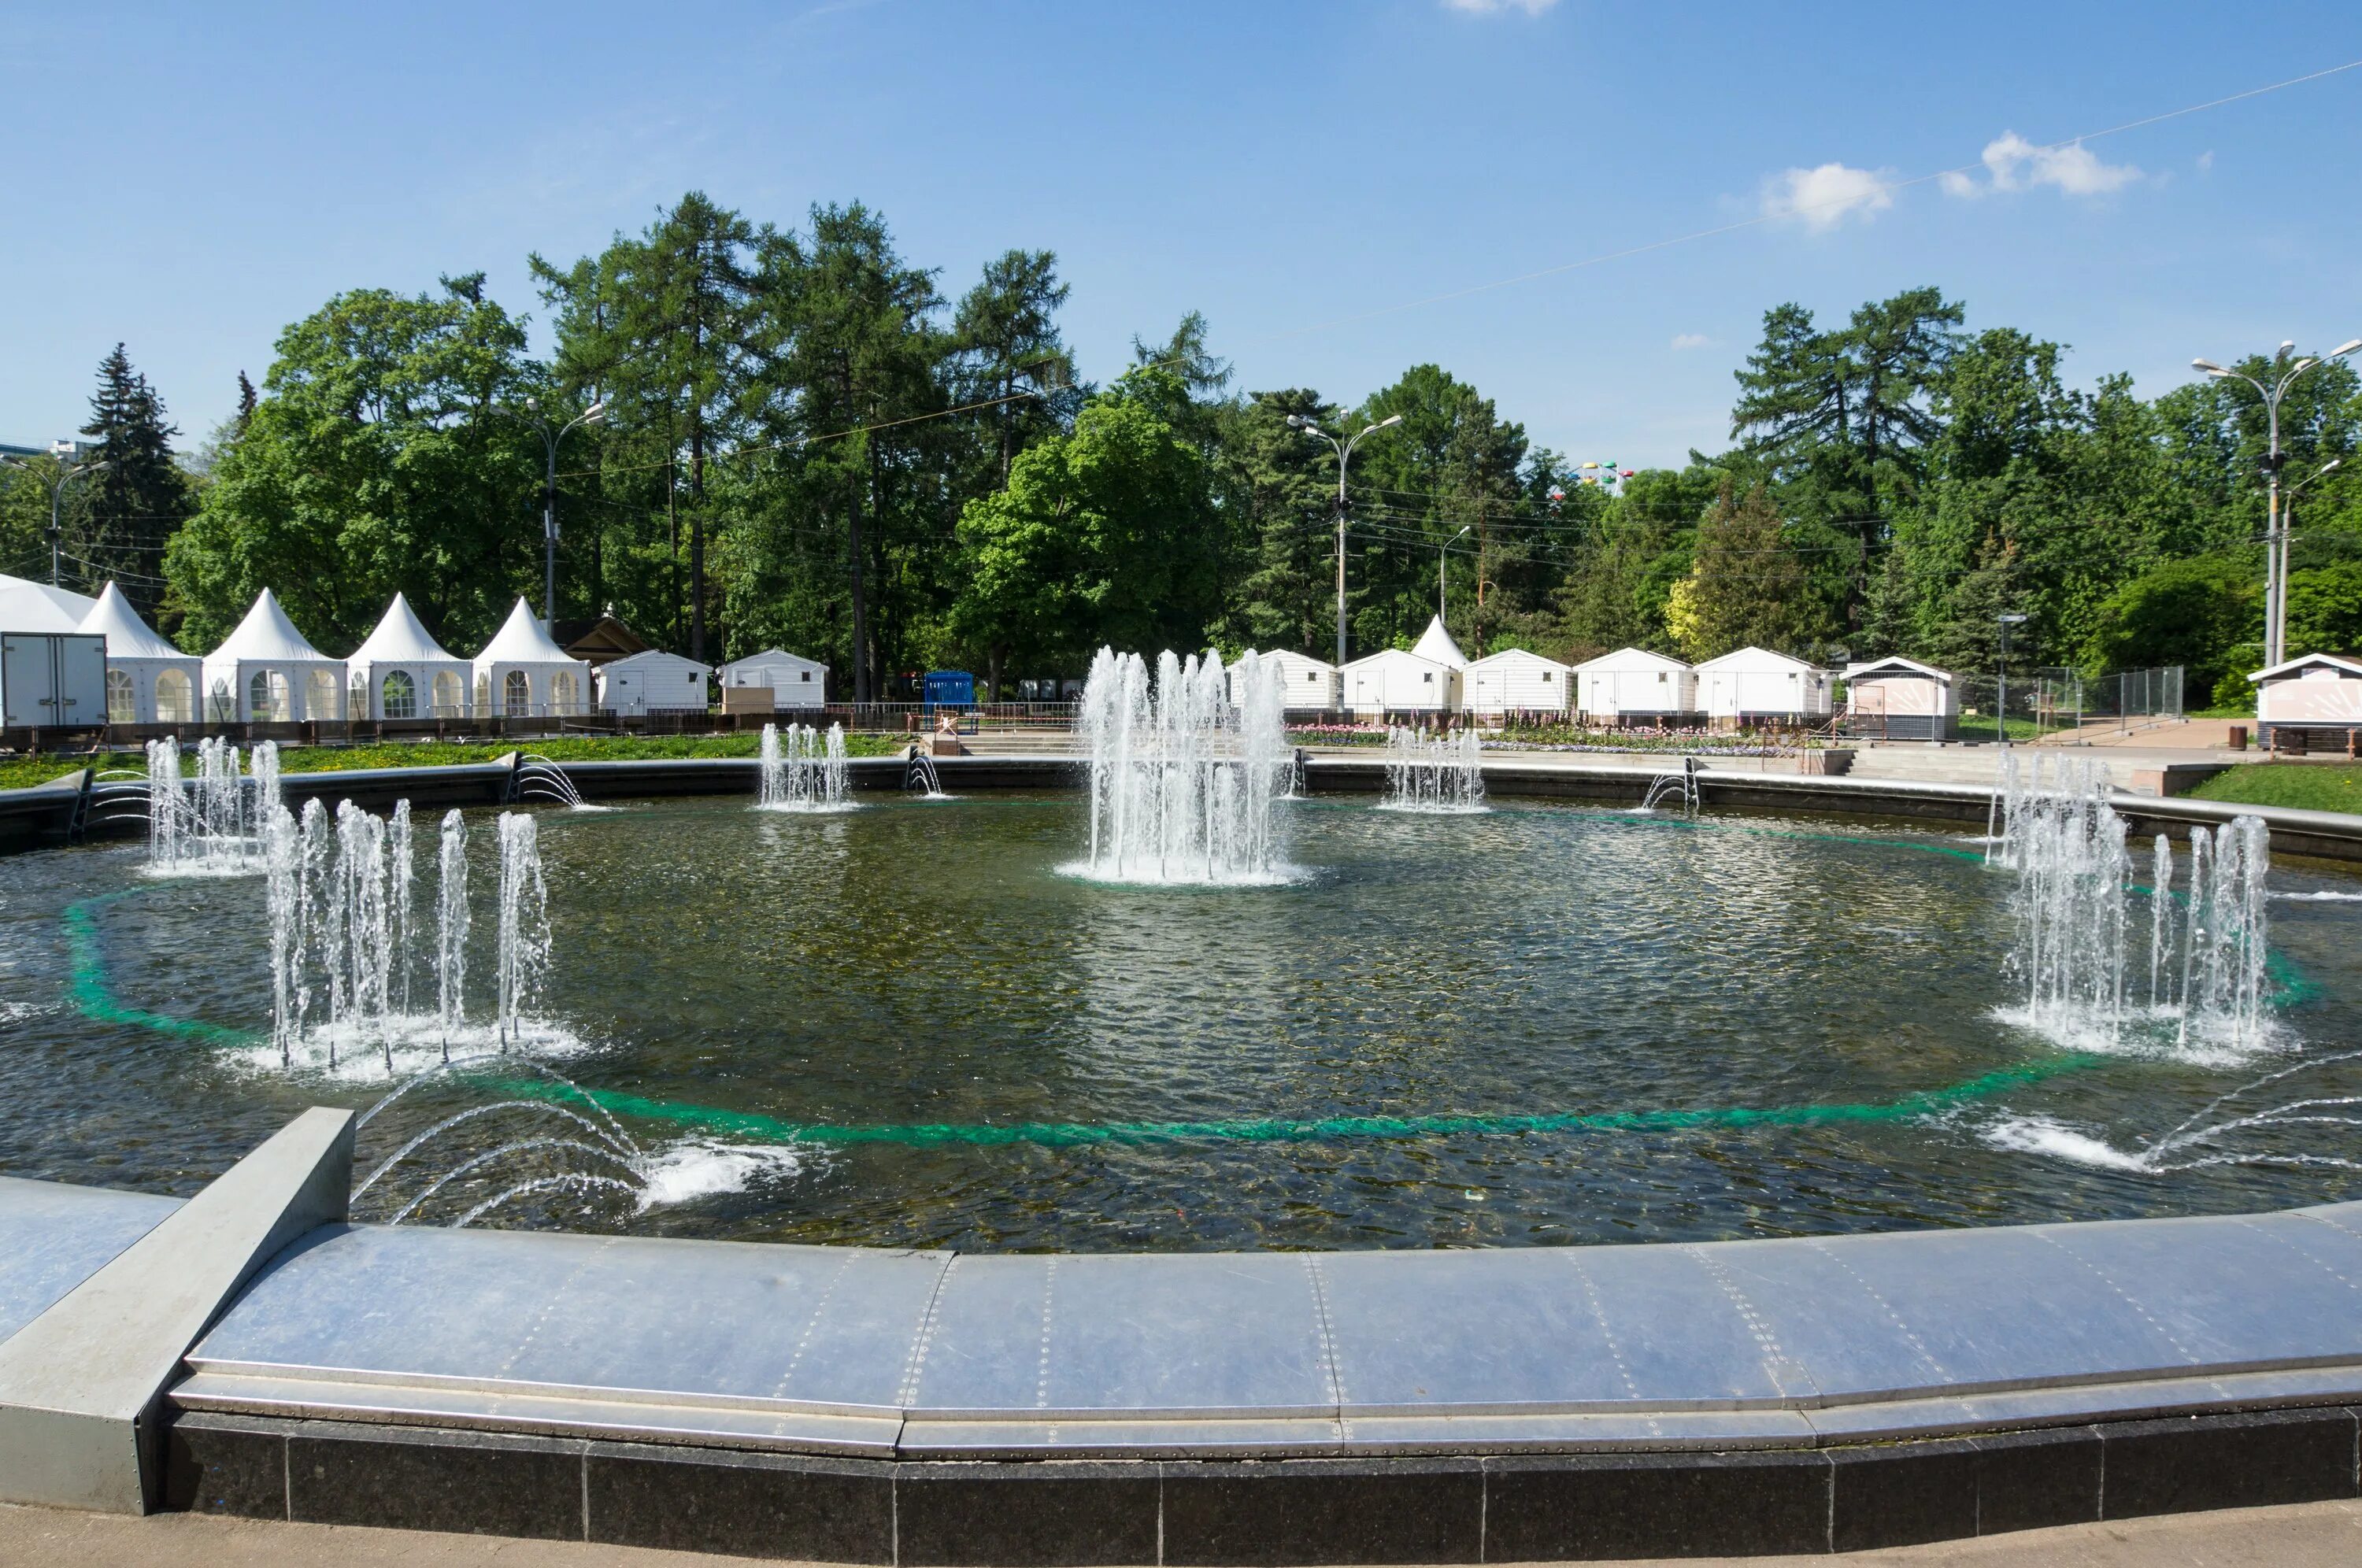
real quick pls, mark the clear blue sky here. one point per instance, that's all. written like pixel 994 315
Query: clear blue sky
pixel 189 179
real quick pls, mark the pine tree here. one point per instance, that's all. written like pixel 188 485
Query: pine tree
pixel 129 508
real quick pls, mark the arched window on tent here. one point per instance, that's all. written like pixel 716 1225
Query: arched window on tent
pixel 122 698
pixel 401 694
pixel 517 694
pixel 449 694
pixel 320 698
pixel 561 692
pixel 483 695
pixel 266 696
pixel 172 694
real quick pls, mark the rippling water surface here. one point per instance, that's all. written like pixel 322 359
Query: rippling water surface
pixel 904 1025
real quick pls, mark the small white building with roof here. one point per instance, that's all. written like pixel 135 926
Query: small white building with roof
pixel 265 673
pixel 1633 686
pixel 1752 686
pixel 402 672
pixel 1516 680
pixel 29 606
pixel 523 674
pixel 2317 691
pixel 1307 684
pixel 653 681
pixel 149 681
pixel 1425 677
pixel 1900 699
pixel 795 681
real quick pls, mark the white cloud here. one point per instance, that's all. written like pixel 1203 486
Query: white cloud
pixel 1690 340
pixel 1824 197
pixel 2206 161
pixel 2013 163
pixel 1495 7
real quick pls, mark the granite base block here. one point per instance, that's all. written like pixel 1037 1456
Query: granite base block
pixel 421 1478
pixel 1902 1495
pixel 1048 1515
pixel 2035 1480
pixel 2228 1462
pixel 235 1466
pixel 1593 1506
pixel 1286 1512
pixel 748 1505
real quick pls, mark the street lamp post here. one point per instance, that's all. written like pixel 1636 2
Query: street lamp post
pixel 2275 530
pixel 61 450
pixel 2001 702
pixel 549 441
pixel 1443 553
pixel 1344 455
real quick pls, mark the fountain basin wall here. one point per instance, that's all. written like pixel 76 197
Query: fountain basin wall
pixel 857 1405
pixel 44 815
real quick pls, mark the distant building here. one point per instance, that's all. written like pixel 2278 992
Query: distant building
pixel 1900 699
pixel 1633 686
pixel 2319 692
pixel 1756 686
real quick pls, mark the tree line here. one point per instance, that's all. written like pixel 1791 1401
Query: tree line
pixel 804 441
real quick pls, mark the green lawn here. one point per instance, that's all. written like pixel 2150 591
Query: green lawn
pixel 2325 787
pixel 23 774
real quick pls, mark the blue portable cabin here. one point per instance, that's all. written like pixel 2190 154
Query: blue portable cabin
pixel 948 689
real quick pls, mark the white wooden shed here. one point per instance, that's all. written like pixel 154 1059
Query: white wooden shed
pixel 1517 682
pixel 523 674
pixel 1426 678
pixel 1306 683
pixel 795 681
pixel 149 681
pixel 265 673
pixel 1900 699
pixel 2318 691
pixel 1755 686
pixel 1633 686
pixel 400 673
pixel 653 682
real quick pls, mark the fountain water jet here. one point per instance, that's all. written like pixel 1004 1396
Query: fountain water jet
pixel 524 953
pixel 214 823
pixel 1436 775
pixel 802 769
pixel 1186 772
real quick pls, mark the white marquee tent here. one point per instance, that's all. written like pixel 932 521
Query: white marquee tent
pixel 1632 684
pixel 1516 682
pixel 795 681
pixel 1753 684
pixel 29 606
pixel 264 672
pixel 522 673
pixel 653 681
pixel 149 681
pixel 400 673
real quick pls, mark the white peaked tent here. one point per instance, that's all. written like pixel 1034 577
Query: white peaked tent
pixel 29 606
pixel 1436 644
pixel 523 674
pixel 1516 682
pixel 265 672
pixel 400 673
pixel 149 681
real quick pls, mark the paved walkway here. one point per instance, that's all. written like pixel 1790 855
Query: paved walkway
pixel 2311 1535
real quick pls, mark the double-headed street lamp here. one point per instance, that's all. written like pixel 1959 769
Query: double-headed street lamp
pixel 61 450
pixel 549 441
pixel 1344 455
pixel 2275 525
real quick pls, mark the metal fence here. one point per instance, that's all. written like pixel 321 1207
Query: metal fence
pixel 2048 701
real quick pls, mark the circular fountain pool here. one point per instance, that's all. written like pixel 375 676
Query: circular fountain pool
pixel 912 1023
